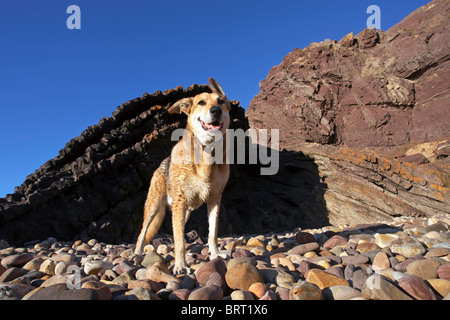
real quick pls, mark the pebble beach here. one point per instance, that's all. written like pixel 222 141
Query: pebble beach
pixel 402 259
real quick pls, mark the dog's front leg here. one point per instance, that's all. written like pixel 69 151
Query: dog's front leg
pixel 213 220
pixel 178 222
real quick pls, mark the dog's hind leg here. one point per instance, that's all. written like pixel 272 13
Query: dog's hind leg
pixel 154 211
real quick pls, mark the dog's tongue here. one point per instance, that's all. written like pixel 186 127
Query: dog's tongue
pixel 213 125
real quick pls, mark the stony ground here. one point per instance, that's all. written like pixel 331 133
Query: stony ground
pixel 403 259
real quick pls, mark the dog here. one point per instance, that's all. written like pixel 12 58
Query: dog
pixel 184 184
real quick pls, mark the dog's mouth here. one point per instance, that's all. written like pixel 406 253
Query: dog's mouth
pixel 216 125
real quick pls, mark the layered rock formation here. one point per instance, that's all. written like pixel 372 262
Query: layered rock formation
pixel 375 105
pixel 97 184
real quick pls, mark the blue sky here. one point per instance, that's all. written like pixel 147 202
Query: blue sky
pixel 55 82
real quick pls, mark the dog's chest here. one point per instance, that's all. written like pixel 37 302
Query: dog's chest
pixel 196 192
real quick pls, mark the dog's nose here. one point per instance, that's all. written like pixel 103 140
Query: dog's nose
pixel 215 111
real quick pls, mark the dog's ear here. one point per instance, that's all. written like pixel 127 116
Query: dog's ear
pixel 215 87
pixel 183 105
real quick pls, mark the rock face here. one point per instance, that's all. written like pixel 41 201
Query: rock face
pixel 372 111
pixel 375 89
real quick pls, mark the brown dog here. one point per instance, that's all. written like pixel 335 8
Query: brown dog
pixel 185 183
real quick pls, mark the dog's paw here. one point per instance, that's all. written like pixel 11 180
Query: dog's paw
pixel 181 269
pixel 224 254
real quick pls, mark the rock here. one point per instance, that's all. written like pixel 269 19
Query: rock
pixel 158 274
pixel 218 280
pixel 97 266
pixel 258 289
pixel 206 293
pixel 303 248
pixel 14 291
pixel 355 260
pixel 142 294
pixel 304 237
pixel 305 291
pixel 282 293
pixel 269 295
pixel 440 286
pixel 18 260
pixel 144 283
pixel 56 279
pixel 381 262
pixel 34 264
pixel 278 277
pixel 123 279
pixel 359 279
pixel 204 272
pixel 323 279
pixel 377 287
pixel 384 240
pixel 444 272
pixel 335 241
pixel 11 274
pixel 341 293
pixel 150 258
pixel 416 288
pixel 425 269
pixel 180 294
pixel 48 267
pixel 242 295
pixel 60 292
pixel 407 247
pixel 437 252
pixel 242 276
pixel 255 242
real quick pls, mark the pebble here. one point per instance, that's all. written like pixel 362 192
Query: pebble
pixel 381 262
pixel 305 290
pixel 324 279
pixel 206 293
pixel 335 241
pixel 407 258
pixel 444 272
pixel 242 276
pixel 242 295
pixel 416 288
pixel 377 287
pixel 425 269
pixel 441 286
pixel 341 293
pixel 304 237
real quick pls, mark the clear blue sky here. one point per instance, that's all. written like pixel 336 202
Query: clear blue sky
pixel 55 82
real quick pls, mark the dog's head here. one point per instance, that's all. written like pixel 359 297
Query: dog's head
pixel 208 113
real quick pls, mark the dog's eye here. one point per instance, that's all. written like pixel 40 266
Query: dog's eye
pixel 202 102
pixel 220 101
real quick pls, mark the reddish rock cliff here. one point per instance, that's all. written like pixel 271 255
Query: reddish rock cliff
pixel 373 111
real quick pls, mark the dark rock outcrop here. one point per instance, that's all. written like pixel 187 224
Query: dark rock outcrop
pixel 97 185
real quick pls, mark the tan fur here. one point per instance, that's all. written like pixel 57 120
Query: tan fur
pixel 185 184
